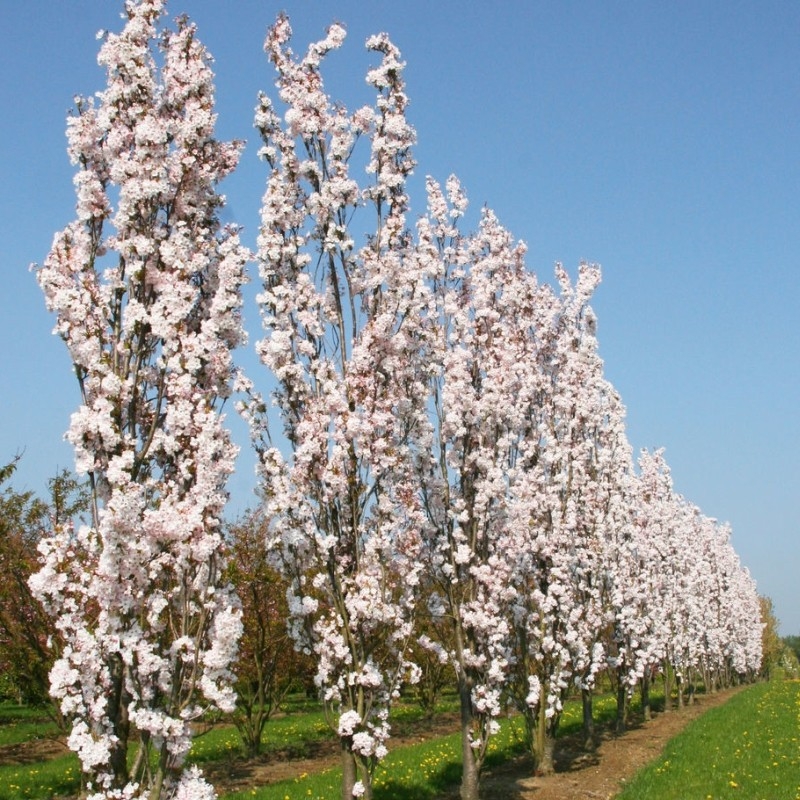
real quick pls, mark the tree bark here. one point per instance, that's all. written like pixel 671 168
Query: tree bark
pixel 589 742
pixel 543 741
pixel 470 776
pixel 622 706
pixel 118 714
pixel 647 712
pixel 348 769
pixel 667 687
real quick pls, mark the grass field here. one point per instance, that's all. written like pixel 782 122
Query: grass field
pixel 746 749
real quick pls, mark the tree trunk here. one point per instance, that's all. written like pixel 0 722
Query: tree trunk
pixel 622 706
pixel 348 768
pixel 118 714
pixel 547 754
pixel 667 687
pixel 588 720
pixel 647 712
pixel 470 776
pixel 543 742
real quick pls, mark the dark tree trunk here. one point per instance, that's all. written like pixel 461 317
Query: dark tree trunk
pixel 647 712
pixel 589 742
pixel 622 706
pixel 348 768
pixel 118 713
pixel 667 687
pixel 543 740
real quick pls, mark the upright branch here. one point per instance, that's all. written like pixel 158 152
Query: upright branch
pixel 145 285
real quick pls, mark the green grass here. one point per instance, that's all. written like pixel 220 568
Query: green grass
pixel 292 735
pixel 419 771
pixel 748 749
pixel 22 723
pixel 44 779
pixel 414 772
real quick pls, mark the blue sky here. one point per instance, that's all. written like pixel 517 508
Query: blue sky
pixel 657 139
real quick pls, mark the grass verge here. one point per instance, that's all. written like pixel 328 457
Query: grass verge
pixel 22 723
pixel 746 749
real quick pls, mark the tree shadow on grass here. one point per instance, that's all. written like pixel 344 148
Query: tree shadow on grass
pixel 440 784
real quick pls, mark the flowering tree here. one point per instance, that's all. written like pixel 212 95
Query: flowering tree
pixel 145 285
pixel 663 514
pixel 484 301
pixel 703 605
pixel 343 343
pixel 564 500
pixel 635 646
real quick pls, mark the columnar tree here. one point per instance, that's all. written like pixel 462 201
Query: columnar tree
pixel 705 607
pixel 635 647
pixel 593 457
pixel 484 302
pixel 562 499
pixel 343 342
pixel 145 285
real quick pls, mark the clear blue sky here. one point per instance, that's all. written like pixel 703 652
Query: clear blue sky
pixel 657 139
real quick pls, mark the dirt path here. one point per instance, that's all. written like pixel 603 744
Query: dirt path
pixel 601 774
pixel 240 775
pixel 579 776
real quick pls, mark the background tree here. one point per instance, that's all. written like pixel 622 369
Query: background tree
pixel 268 666
pixel 145 285
pixel 771 643
pixel 24 657
pixel 789 662
pixel 794 643
pixel 25 629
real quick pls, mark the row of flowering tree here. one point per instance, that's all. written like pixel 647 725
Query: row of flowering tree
pixel 443 466
pixel 452 465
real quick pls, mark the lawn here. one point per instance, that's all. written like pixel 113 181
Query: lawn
pixel 746 749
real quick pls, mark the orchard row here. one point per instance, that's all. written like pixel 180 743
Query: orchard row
pixel 444 470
